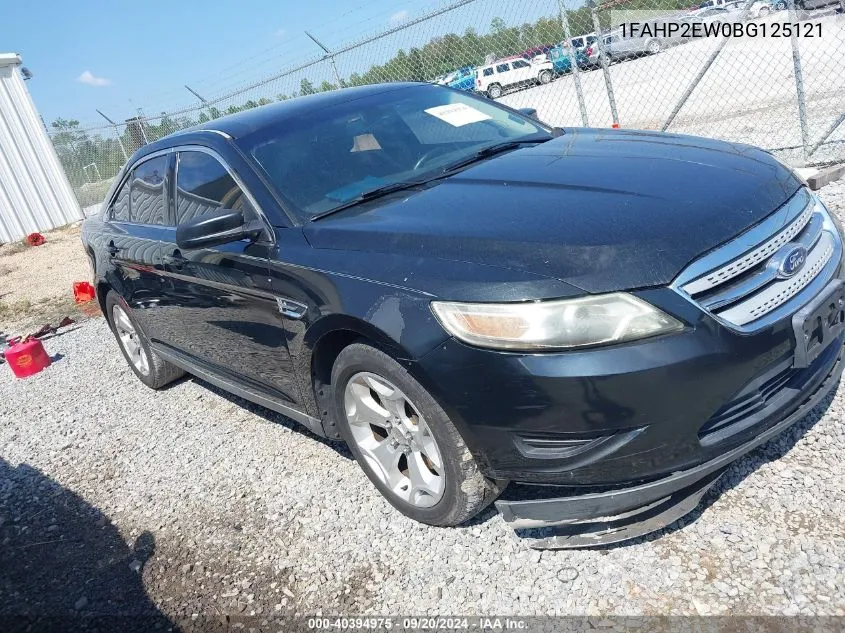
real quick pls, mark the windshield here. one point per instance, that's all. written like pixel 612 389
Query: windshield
pixel 324 158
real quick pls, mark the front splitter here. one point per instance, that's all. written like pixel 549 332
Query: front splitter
pixel 622 527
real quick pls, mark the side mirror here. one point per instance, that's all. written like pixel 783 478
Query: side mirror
pixel 212 229
pixel 532 112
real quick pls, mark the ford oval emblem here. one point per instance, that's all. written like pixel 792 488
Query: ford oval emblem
pixel 791 261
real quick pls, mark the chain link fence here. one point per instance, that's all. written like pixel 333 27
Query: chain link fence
pixel 779 84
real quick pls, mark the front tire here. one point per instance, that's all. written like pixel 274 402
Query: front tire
pixel 545 77
pixel 404 441
pixel 654 47
pixel 149 367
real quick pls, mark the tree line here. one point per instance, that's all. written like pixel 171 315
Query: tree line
pixel 77 148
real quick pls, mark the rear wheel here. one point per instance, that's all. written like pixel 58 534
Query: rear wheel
pixel 494 91
pixel 545 76
pixel 654 47
pixel 150 368
pixel 404 441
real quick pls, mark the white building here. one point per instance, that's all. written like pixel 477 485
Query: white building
pixel 35 194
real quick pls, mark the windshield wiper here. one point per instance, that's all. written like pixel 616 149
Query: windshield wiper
pixel 491 150
pixel 378 192
pixel 371 194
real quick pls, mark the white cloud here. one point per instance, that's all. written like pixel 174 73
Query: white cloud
pixel 281 33
pixel 91 80
pixel 398 17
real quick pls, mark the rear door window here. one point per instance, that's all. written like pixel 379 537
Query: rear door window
pixel 148 192
pixel 502 68
pixel 203 185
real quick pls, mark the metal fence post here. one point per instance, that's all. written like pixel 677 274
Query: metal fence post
pixel 799 80
pixel 117 132
pixel 694 83
pixel 329 57
pixel 839 121
pixel 576 73
pixel 604 64
pixel 700 75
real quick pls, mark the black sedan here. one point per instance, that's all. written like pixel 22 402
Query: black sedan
pixel 469 297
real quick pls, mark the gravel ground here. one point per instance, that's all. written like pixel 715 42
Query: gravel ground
pixel 38 281
pixel 118 499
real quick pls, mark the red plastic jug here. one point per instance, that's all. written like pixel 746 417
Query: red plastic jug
pixel 83 292
pixel 27 357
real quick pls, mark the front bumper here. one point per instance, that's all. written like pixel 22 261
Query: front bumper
pixel 621 514
pixel 621 441
pixel 622 415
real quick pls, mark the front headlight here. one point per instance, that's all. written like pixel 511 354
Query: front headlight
pixel 557 324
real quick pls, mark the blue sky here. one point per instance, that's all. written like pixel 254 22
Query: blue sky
pixel 118 56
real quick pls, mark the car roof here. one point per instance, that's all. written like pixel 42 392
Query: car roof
pixel 243 123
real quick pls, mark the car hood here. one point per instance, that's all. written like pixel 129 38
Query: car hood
pixel 602 210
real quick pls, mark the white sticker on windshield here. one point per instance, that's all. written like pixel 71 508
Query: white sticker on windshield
pixel 457 114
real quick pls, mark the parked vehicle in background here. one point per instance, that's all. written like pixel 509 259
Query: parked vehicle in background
pixel 708 14
pixel 582 42
pixel 468 297
pixel 463 79
pixel 758 9
pixel 594 53
pixel 620 45
pixel 561 64
pixel 531 53
pixel 813 4
pixel 503 74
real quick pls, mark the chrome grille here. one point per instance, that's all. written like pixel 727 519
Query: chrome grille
pixel 740 284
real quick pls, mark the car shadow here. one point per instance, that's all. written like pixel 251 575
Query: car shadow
pixel 64 565
pixel 269 415
pixel 734 475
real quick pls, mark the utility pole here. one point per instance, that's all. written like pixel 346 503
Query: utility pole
pixel 329 56
pixel 196 94
pixel 573 61
pixel 200 97
pixel 117 131
pixel 141 125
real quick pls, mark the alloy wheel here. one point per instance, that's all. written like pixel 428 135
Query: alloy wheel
pixel 394 439
pixel 129 340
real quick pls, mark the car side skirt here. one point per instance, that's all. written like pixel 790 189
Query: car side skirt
pixel 239 389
